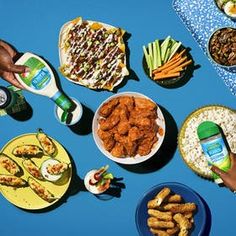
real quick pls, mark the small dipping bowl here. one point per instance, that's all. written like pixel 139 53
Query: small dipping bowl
pixel 231 68
pixel 46 175
pixel 69 118
pixel 91 188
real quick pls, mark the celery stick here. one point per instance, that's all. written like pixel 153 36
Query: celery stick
pixel 167 55
pixel 150 55
pixel 146 56
pixel 164 47
pixel 154 55
pixel 158 53
pixel 151 65
pixel 174 49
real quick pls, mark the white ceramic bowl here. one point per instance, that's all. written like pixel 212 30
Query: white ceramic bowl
pixel 129 160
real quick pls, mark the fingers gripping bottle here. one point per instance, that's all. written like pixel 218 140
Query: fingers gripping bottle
pixel 40 80
pixel 214 147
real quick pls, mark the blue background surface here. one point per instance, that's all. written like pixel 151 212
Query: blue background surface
pixel 34 26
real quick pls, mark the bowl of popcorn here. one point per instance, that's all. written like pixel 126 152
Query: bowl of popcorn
pixel 188 141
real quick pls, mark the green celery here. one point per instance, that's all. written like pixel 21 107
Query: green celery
pixel 167 55
pixel 151 65
pixel 164 47
pixel 150 54
pixel 146 56
pixel 159 63
pixel 154 55
pixel 174 49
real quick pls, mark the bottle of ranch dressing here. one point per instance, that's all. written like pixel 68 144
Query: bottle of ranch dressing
pixel 40 80
pixel 214 147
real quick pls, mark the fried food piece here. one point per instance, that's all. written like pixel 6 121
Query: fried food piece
pixel 10 165
pixel 152 204
pixel 109 143
pixel 123 127
pixel 27 151
pixel 46 143
pixel 162 195
pixel 183 232
pixel 145 145
pixel 180 208
pixel 141 122
pixel 166 216
pixel 134 134
pixel 109 123
pixel 143 103
pixel 108 107
pixel 168 206
pixel 40 190
pixel 33 169
pixel 103 135
pixel 13 181
pixel 159 232
pixel 128 102
pixel 158 224
pixel 182 221
pixel 176 198
pixel 57 169
pixel 188 215
pixel 118 150
pixel 173 231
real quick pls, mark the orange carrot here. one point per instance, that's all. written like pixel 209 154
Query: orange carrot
pixel 165 76
pixel 175 65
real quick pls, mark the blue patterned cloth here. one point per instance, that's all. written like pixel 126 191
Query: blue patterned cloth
pixel 202 18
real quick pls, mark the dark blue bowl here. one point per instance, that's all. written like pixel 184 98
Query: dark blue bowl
pixel 188 195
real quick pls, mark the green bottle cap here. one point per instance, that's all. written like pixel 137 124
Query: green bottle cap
pixel 207 129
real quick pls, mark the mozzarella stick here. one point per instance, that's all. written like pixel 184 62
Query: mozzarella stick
pixel 168 206
pixel 152 204
pixel 159 232
pixel 188 215
pixel 162 195
pixel 176 198
pixel 183 232
pixel 158 224
pixel 173 231
pixel 166 216
pixel 180 208
pixel 182 221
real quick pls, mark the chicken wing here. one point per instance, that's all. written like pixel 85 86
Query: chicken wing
pixel 109 123
pixel 108 107
pixel 118 150
pixel 128 102
pixel 143 103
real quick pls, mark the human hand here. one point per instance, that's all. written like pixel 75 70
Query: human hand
pixel 229 177
pixel 7 66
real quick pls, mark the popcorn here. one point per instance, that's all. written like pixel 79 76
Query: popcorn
pixel 189 143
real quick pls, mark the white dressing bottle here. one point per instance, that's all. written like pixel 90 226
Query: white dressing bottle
pixel 40 80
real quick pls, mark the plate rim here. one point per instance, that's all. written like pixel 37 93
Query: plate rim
pixel 49 204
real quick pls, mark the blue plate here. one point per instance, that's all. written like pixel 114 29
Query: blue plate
pixel 188 195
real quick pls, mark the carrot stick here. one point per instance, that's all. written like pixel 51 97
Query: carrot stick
pixel 175 65
pixel 165 76
pixel 166 65
pixel 186 63
pixel 177 69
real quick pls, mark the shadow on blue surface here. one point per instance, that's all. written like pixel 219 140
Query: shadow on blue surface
pixel 114 190
pixel 166 151
pixel 84 126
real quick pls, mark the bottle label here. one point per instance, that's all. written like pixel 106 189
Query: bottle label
pixel 217 154
pixel 38 77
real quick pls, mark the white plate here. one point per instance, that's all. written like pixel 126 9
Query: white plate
pixel 129 160
pixel 62 55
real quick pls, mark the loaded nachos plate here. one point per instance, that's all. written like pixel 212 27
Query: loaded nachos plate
pixel 92 54
pixel 27 188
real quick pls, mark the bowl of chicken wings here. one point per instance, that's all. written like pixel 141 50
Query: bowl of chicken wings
pixel 128 128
